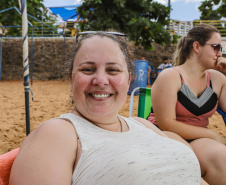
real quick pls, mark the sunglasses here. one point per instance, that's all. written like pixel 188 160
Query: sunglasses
pixel 81 34
pixel 216 47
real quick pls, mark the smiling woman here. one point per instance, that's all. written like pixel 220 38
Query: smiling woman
pixel 92 144
pixel 101 76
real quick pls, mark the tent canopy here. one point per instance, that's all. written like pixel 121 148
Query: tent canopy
pixel 65 12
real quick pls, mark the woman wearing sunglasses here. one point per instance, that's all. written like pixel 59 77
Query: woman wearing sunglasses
pixel 184 97
pixel 93 145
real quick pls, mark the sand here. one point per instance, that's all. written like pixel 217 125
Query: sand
pixel 51 98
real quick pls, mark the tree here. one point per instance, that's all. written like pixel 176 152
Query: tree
pixel 142 20
pixel 12 18
pixel 207 12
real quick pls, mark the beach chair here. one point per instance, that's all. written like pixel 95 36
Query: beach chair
pixel 145 104
pixel 223 114
pixel 6 162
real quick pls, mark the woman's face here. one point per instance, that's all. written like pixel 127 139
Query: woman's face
pixel 208 55
pixel 100 78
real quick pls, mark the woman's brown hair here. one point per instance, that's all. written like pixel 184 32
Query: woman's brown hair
pixel 200 33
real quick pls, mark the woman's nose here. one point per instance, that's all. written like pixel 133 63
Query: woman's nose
pixel 101 79
pixel 219 53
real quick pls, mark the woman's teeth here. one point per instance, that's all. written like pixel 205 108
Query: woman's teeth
pixel 100 95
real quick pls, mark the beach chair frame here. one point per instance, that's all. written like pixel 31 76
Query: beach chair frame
pixel 144 103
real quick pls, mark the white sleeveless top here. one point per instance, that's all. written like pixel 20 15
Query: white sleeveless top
pixel 136 157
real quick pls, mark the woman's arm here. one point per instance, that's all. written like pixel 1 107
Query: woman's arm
pixel 46 156
pixel 220 78
pixel 222 97
pixel 164 99
pixel 219 85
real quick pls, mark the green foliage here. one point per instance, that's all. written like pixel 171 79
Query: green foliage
pixel 13 18
pixel 207 12
pixel 222 9
pixel 142 20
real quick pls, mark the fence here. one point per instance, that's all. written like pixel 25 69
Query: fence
pixel 181 28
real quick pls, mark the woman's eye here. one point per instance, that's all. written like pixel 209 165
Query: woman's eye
pixel 88 70
pixel 113 70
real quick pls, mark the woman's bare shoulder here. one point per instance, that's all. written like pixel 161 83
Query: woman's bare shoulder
pixel 52 131
pixel 168 79
pixel 168 75
pixel 51 147
pixel 215 73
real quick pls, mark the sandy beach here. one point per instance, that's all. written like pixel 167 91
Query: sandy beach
pixel 51 98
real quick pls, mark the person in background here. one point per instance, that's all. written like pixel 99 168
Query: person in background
pixel 92 144
pixel 166 62
pixel 186 96
pixel 143 58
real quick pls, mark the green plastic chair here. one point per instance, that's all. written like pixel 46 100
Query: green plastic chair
pixel 144 103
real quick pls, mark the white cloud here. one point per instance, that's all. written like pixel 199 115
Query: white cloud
pixel 197 7
pixel 53 3
pixel 172 1
pixel 189 1
pixel 161 1
pixel 78 1
pixel 165 2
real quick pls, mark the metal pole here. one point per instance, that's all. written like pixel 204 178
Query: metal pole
pixel 1 60
pixel 31 55
pixel 64 48
pixel 169 7
pixel 64 43
pixel 3 31
pixel 25 62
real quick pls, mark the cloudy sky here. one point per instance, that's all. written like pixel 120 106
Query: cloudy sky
pixel 183 10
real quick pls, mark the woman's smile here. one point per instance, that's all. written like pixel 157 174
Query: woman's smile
pixel 100 95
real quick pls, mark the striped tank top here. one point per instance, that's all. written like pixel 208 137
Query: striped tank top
pixel 191 109
pixel 196 110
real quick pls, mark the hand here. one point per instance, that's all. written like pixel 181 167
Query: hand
pixel 221 64
pixel 217 137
